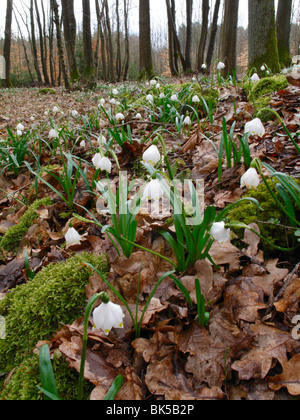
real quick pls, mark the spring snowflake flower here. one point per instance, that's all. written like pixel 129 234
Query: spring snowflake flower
pixel 120 117
pixel 149 98
pixel 152 155
pixel 220 66
pixel 161 96
pixel 153 191
pixel 20 127
pixel 83 144
pixel 108 316
pixel 204 66
pixel 139 116
pixel 102 140
pixel 255 128
pixel 74 113
pixel 102 163
pixel 263 68
pixel 115 92
pixel 250 179
pixel 174 98
pixel 220 233
pixel 55 110
pixel 102 101
pixel 195 99
pixel 255 78
pixel 187 121
pixel 72 237
pixel 113 101
pixel 53 134
pixel 153 82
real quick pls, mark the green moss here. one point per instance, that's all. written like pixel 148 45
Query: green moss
pixel 270 55
pixel 23 384
pixel 15 234
pixel 263 90
pixel 35 311
pixel 46 91
pixel 249 213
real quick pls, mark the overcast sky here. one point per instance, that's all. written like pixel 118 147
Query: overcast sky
pixel 158 12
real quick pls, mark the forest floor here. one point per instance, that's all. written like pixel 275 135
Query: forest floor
pixel 250 347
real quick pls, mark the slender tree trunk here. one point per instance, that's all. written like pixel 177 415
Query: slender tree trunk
pixel 109 44
pixel 7 43
pixel 173 61
pixel 88 76
pixel 146 66
pixel 213 34
pixel 283 25
pixel 204 31
pixel 118 57
pixel 33 43
pixel 127 50
pixel 189 28
pixel 25 49
pixel 177 46
pixel 229 36
pixel 42 50
pixel 263 47
pixel 60 44
pixel 69 23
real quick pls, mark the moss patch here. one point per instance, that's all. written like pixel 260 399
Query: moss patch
pixel 263 90
pixel 249 213
pixel 35 311
pixel 15 234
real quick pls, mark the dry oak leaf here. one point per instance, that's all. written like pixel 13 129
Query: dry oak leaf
pixel 167 378
pixel 273 276
pixel 290 377
pixel 291 295
pixel 226 254
pixel 204 273
pixel 270 345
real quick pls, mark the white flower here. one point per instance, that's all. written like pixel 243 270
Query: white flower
pixel 187 121
pixel 153 191
pixel 263 68
pixel 53 134
pixel 115 92
pixel 74 113
pixel 55 110
pixel 250 179
pixel 102 102
pixel 102 140
pixel 120 117
pixel 149 98
pixel 113 101
pixel 72 237
pixel 20 127
pixel 161 96
pixel 204 66
pixel 157 86
pixel 19 133
pixel 220 66
pixel 255 78
pixel 32 118
pixel 220 233
pixel 152 155
pixel 83 144
pixel 153 82
pixel 102 163
pixel 46 113
pixel 195 99
pixel 108 316
pixel 138 116
pixel 174 98
pixel 255 128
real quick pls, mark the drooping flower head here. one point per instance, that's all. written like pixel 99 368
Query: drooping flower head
pixel 72 237
pixel 220 233
pixel 250 179
pixel 255 128
pixel 108 316
pixel 152 155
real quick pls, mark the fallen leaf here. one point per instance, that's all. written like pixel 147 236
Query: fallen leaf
pixel 290 377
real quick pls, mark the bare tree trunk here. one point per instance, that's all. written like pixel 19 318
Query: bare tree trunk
pixel 146 66
pixel 229 36
pixel 33 43
pixel 60 44
pixel 42 50
pixel 88 76
pixel 118 57
pixel 263 47
pixel 283 25
pixel 213 33
pixel 189 26
pixel 7 42
pixel 177 46
pixel 109 44
pixel 25 49
pixel 69 23
pixel 204 31
pixel 127 51
pixel 173 62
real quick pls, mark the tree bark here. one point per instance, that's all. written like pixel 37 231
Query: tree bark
pixel 42 49
pixel 204 31
pixel 213 33
pixel 7 43
pixel 283 25
pixel 229 36
pixel 189 26
pixel 69 22
pixel 33 44
pixel 146 66
pixel 263 47
pixel 88 76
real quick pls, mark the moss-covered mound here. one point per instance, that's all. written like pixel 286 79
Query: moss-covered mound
pixel 35 311
pixel 15 234
pixel 271 220
pixel 261 92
